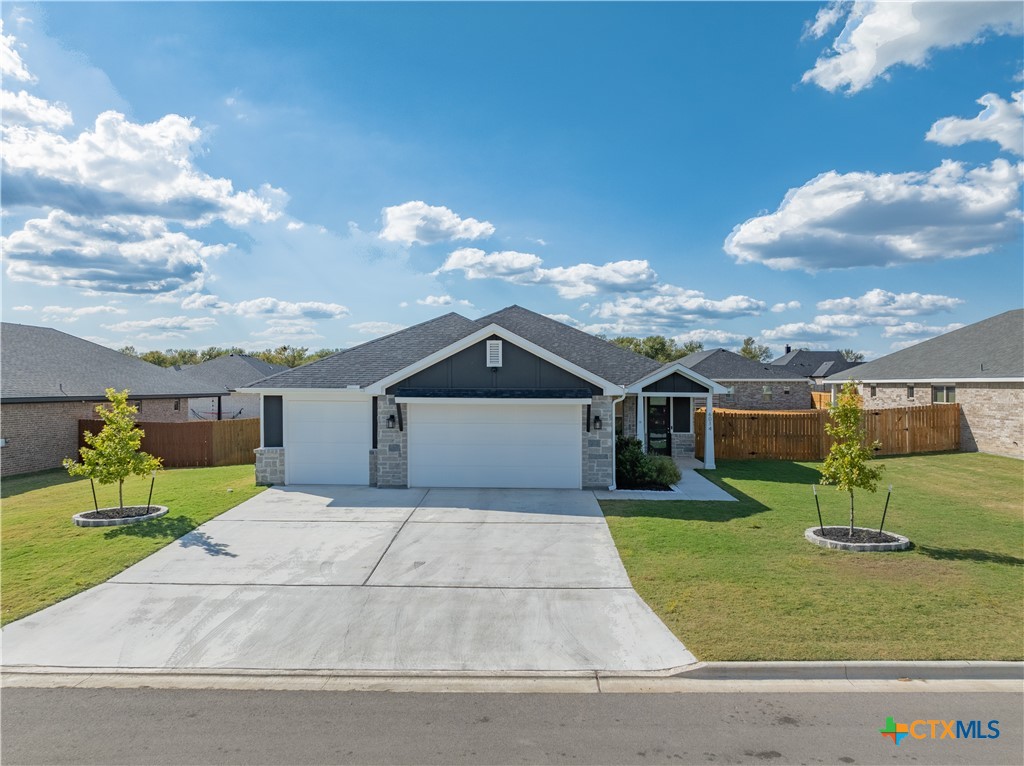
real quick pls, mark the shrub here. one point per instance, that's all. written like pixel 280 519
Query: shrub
pixel 664 469
pixel 632 466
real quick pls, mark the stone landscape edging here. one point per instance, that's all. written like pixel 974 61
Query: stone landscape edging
pixel 81 521
pixel 900 544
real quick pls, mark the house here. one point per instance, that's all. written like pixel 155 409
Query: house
pixel 753 385
pixel 49 380
pixel 514 399
pixel 227 373
pixel 980 367
pixel 815 365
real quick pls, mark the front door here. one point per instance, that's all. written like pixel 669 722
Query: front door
pixel 659 440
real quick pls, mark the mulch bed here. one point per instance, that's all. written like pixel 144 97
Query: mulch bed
pixel 652 486
pixel 128 512
pixel 842 534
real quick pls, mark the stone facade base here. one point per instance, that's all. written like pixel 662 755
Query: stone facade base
pixel 269 465
pixel 683 444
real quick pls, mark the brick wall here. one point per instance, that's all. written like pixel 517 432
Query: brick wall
pixel 749 396
pixel 40 435
pixel 598 445
pixel 889 395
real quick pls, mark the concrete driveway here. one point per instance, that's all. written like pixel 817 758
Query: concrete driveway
pixel 356 578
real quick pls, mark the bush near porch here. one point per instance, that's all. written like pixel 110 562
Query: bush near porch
pixel 737 581
pixel 45 558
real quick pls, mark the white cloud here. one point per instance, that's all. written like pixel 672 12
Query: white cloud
pixel 778 308
pixel 902 344
pixel 880 35
pixel 565 319
pixel 570 281
pixel 22 107
pixel 826 18
pixel 11 64
pixel 179 324
pixel 805 331
pixel 201 301
pixel 71 314
pixel 914 329
pixel 21 308
pixel 442 300
pixel 121 254
pixel 708 337
pixel 287 331
pixel 294 225
pixel 1000 121
pixel 272 307
pixel 865 219
pixel 880 302
pixel 674 305
pixel 418 222
pixel 377 328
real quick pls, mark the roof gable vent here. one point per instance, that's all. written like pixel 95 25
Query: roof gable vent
pixel 494 353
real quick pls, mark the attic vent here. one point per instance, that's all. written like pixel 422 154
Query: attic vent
pixel 494 353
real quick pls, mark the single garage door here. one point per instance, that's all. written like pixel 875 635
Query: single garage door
pixel 327 442
pixel 495 445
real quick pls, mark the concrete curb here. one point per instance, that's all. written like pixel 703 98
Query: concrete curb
pixel 720 677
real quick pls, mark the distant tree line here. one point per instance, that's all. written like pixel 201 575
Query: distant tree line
pixel 289 356
pixel 663 349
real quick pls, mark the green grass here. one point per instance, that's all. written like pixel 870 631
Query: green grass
pixel 45 558
pixel 737 581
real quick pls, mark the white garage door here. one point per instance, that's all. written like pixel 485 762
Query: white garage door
pixel 495 445
pixel 327 442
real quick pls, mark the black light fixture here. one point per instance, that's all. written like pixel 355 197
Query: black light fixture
pixel 391 421
pixel 597 422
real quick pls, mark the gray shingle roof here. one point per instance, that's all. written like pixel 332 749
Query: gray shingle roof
pixel 43 364
pixel 721 365
pixel 816 364
pixel 991 348
pixel 230 370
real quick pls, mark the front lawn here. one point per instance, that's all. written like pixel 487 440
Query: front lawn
pixel 45 558
pixel 737 581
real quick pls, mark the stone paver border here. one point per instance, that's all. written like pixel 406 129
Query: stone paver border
pixel 901 544
pixel 81 521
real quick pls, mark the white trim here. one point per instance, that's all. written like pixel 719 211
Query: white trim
pixel 682 369
pixel 263 420
pixel 379 387
pixel 925 380
pixel 767 381
pixel 483 400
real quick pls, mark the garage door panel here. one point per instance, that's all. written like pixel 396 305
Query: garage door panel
pixel 327 442
pixel 495 445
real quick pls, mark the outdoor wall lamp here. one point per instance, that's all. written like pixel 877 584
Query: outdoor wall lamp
pixel 597 422
pixel 391 421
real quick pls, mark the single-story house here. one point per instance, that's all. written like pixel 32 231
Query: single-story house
pixel 50 380
pixel 815 365
pixel 514 399
pixel 227 373
pixel 980 367
pixel 752 385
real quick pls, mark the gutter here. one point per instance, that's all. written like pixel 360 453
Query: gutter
pixel 614 402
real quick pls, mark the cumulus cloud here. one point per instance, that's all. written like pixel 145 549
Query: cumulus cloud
pixel 71 314
pixel 880 302
pixel 916 329
pixel 120 254
pixel 179 324
pixel 11 64
pixel 201 301
pixel 826 18
pixel 709 337
pixel 287 331
pixel 842 220
pixel 878 36
pixel 21 308
pixel 669 304
pixel 1000 121
pixel 294 225
pixel 442 300
pixel 778 308
pixel 571 282
pixel 23 107
pixel 273 307
pixel 417 222
pixel 805 331
pixel 377 328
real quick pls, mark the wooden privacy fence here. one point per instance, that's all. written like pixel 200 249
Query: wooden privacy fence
pixel 752 435
pixel 195 443
pixel 822 399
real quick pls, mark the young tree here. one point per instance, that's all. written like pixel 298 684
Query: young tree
pixel 691 347
pixel 851 356
pixel 114 453
pixel 752 350
pixel 847 463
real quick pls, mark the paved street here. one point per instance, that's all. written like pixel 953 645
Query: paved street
pixel 122 726
pixel 356 578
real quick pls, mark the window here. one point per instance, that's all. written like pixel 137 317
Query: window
pixel 944 394
pixel 494 353
pixel 766 393
pixel 785 390
pixel 618 418
pixel 910 391
pixel 137 404
pixel 874 391
pixel 177 404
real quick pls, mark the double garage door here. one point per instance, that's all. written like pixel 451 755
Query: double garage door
pixel 449 445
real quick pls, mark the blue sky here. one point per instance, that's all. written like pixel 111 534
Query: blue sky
pixel 185 175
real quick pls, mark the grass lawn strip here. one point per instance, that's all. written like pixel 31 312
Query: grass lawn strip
pixel 737 581
pixel 45 558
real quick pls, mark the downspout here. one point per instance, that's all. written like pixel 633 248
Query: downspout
pixel 614 402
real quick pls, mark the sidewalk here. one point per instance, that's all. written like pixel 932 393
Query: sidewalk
pixel 692 486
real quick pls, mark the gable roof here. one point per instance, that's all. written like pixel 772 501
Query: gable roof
pixel 992 349
pixel 41 364
pixel 813 364
pixel 718 364
pixel 230 370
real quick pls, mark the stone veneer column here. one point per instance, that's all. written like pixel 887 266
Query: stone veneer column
pixel 269 465
pixel 392 445
pixel 598 446
pixel 629 417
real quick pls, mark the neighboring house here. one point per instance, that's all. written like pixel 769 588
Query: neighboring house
pixel 227 373
pixel 980 367
pixel 49 380
pixel 753 385
pixel 815 365
pixel 513 399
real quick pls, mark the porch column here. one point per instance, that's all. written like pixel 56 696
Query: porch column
pixel 709 435
pixel 641 419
